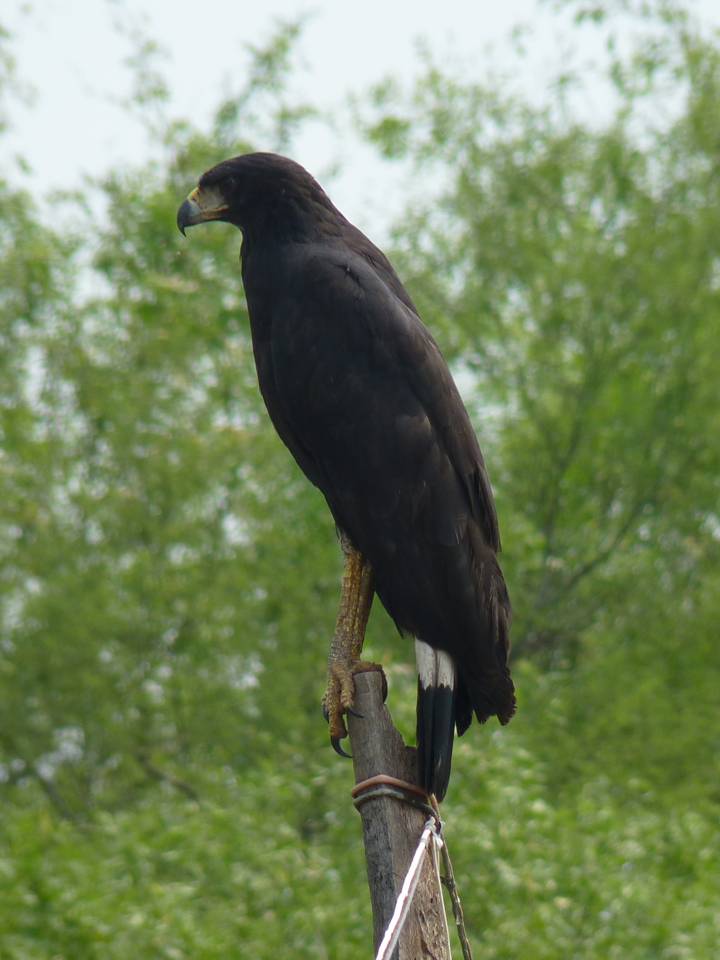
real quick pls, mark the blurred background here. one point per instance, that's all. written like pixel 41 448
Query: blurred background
pixel 546 181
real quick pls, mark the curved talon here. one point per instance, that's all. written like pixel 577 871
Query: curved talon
pixel 326 713
pixel 335 743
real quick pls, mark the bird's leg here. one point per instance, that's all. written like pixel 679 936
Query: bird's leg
pixel 346 646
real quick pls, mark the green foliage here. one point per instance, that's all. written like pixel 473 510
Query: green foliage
pixel 169 578
pixel 172 878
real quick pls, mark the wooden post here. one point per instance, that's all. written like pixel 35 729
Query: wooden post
pixel 392 829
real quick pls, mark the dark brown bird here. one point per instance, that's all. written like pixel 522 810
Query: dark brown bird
pixel 359 392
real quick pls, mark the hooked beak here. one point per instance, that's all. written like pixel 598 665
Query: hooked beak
pixel 203 203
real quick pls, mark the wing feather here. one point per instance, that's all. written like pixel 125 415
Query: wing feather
pixel 365 401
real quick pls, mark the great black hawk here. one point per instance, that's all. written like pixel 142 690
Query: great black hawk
pixel 360 394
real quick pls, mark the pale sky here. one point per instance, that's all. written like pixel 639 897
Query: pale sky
pixel 71 53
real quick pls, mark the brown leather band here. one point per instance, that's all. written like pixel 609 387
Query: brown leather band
pixel 382 779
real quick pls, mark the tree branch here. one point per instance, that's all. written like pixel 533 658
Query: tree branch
pixel 156 774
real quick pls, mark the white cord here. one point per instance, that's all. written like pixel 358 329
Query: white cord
pixel 407 891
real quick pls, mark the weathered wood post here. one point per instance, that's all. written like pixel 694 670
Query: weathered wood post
pixel 392 829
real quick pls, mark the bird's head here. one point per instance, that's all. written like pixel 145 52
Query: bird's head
pixel 252 188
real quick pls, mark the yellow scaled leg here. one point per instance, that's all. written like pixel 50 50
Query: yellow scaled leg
pixel 346 646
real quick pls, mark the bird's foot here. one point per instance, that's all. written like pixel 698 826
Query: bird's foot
pixel 340 696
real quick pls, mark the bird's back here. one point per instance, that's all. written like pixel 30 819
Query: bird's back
pixel 360 393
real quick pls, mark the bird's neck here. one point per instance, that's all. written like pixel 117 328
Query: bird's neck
pixel 260 262
pixel 292 219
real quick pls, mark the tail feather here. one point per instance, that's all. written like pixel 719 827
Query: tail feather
pixel 437 685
